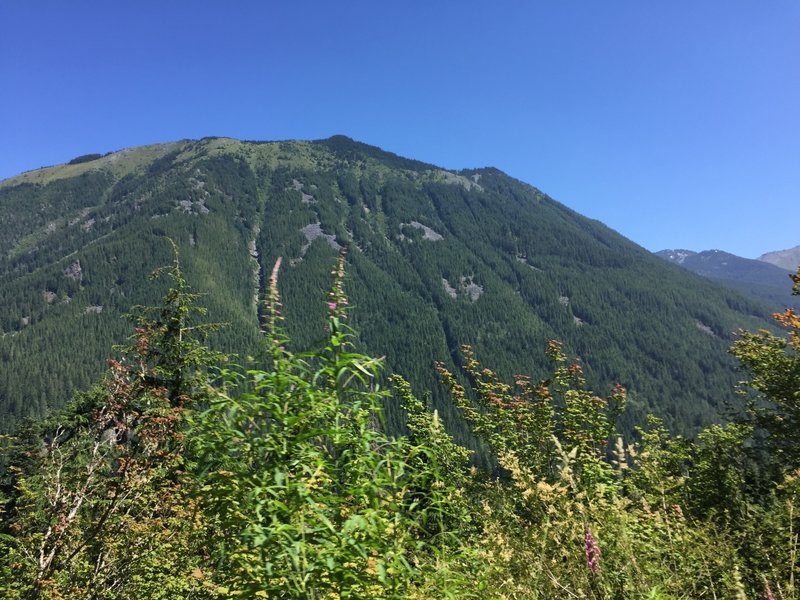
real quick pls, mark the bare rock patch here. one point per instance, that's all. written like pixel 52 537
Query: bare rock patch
pixel 74 271
pixel 473 290
pixel 428 233
pixel 313 231
pixel 705 328
pixel 451 291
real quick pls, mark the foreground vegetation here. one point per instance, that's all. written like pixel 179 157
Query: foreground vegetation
pixel 184 476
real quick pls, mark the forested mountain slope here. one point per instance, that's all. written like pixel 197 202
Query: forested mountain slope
pixel 435 259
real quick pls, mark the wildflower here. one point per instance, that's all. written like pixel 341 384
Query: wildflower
pixel 592 551
pixel 768 595
pixel 332 305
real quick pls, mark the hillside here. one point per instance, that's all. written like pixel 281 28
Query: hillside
pixel 756 279
pixel 436 259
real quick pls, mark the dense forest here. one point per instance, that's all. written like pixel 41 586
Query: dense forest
pixel 436 259
pixel 189 473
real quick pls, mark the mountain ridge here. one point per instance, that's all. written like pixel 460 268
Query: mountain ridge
pixel 762 281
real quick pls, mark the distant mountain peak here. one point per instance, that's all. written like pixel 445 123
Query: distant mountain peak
pixel 755 278
pixel 786 259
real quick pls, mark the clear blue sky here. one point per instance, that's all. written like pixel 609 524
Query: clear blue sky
pixel 677 123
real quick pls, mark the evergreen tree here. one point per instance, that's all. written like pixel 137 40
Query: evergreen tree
pixel 99 506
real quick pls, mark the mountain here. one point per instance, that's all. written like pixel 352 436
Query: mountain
pixel 759 280
pixel 785 259
pixel 435 259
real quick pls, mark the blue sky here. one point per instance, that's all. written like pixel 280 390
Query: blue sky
pixel 676 123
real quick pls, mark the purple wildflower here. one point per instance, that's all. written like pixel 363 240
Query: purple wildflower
pixel 332 305
pixel 592 551
pixel 768 595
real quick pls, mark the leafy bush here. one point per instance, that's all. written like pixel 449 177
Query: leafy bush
pixel 311 498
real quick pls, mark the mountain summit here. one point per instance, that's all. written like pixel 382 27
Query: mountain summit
pixel 435 259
